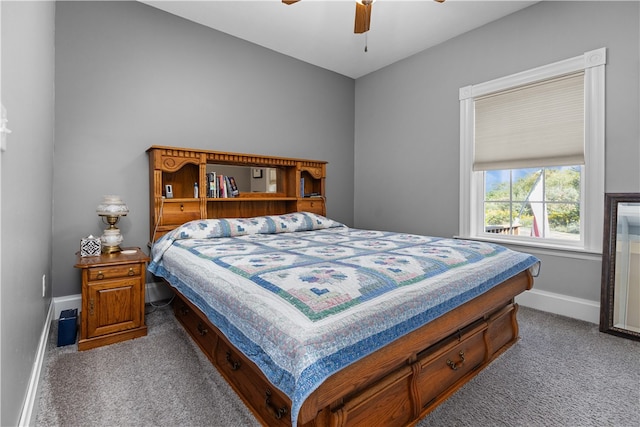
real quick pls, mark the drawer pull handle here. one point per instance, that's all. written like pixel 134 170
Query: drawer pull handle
pixel 100 275
pixel 202 330
pixel 455 365
pixel 234 364
pixel 278 413
pixel 131 272
pixel 184 310
pixel 181 207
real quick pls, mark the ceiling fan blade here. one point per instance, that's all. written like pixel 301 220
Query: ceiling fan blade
pixel 363 16
pixel 292 1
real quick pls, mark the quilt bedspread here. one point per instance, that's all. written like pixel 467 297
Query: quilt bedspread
pixel 303 296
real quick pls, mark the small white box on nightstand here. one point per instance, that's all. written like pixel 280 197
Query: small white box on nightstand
pixel 90 246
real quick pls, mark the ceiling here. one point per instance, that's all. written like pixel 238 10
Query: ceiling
pixel 321 32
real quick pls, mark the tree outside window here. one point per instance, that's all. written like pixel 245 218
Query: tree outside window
pixel 536 202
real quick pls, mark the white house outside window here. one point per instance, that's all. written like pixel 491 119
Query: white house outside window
pixel 532 156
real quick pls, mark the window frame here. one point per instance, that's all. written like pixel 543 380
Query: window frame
pixel 471 220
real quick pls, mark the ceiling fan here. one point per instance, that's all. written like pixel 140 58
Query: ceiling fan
pixel 363 14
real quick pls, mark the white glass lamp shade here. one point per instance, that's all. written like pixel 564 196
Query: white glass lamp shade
pixel 111 209
pixel 112 206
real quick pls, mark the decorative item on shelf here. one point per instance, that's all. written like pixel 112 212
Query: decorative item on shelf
pixel 212 185
pixel 233 187
pixel 90 246
pixel 111 209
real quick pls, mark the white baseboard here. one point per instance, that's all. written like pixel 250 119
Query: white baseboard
pixel 68 302
pixel 551 302
pixel 576 308
pixel 34 380
pixel 155 291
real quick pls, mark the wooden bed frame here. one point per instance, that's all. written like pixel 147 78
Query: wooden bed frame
pixel 395 386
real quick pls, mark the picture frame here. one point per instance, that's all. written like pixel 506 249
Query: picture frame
pixel 256 173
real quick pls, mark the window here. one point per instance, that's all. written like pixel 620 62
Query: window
pixel 532 156
pixel 542 203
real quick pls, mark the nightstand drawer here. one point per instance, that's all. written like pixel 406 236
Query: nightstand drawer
pixel 127 270
pixel 176 213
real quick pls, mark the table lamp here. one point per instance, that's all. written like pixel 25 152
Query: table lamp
pixel 111 209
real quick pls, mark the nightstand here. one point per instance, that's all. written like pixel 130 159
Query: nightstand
pixel 112 297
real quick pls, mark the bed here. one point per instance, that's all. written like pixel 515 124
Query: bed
pixel 314 323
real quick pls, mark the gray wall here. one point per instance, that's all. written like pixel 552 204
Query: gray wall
pixel 129 76
pixel 407 120
pixel 27 171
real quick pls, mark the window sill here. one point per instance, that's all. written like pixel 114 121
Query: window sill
pixel 540 248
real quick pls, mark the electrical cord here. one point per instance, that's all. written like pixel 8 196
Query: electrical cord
pixel 157 306
pixel 153 240
pixel 155 228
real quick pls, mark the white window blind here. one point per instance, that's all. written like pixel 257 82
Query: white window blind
pixel 539 124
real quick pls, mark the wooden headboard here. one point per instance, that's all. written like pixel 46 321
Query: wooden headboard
pixel 298 185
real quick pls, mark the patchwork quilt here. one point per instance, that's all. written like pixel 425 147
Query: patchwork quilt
pixel 304 296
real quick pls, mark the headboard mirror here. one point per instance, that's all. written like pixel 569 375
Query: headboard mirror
pixel 620 295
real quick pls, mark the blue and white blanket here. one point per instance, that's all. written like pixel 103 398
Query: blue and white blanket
pixel 303 296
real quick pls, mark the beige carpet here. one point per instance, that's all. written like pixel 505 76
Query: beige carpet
pixel 162 379
pixel 562 372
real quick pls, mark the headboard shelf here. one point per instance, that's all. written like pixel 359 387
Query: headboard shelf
pixel 181 168
pixel 251 197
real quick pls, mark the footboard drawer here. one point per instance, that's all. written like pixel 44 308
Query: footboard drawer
pixel 449 362
pixel 388 402
pixel 268 404
pixel 197 328
pixel 503 329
